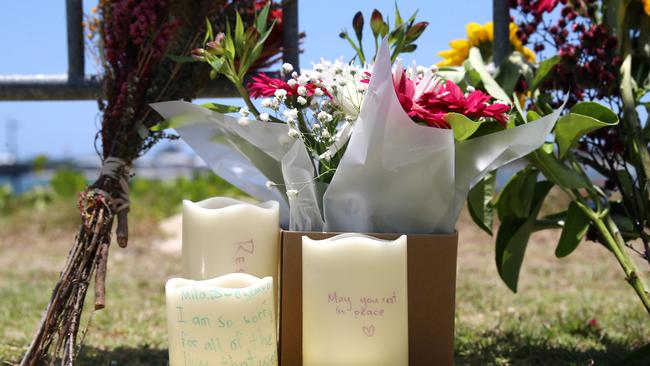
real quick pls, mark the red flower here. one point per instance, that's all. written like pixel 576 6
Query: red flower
pixel 544 6
pixel 432 105
pixel 262 85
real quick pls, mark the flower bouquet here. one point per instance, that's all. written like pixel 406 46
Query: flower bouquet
pixel 359 148
pixel 365 148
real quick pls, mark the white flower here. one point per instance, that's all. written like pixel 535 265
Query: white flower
pixel 292 82
pixel 280 93
pixel 327 155
pixel 243 121
pixel 470 89
pixel 433 68
pixel 318 92
pixel 324 117
pixel 290 114
pixel 325 134
pixel 294 74
pixel 350 119
pixel 293 133
pixel 303 79
pixel 319 67
pixel 316 126
pixel 287 68
pixel 264 117
pixel 420 70
pixel 267 103
pixel 269 184
pixel 301 100
pixel 302 90
pixel 244 112
pixel 292 193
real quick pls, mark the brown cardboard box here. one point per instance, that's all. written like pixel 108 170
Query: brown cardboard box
pixel 431 296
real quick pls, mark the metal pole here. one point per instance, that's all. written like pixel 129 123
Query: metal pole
pixel 290 34
pixel 501 22
pixel 74 20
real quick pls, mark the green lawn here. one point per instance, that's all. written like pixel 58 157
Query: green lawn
pixel 574 311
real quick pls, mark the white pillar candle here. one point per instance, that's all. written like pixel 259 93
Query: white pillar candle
pixel 224 235
pixel 228 320
pixel 354 301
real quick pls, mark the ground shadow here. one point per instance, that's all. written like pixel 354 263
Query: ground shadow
pixel 514 349
pixel 141 356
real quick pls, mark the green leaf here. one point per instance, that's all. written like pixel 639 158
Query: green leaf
pixel 181 59
pixel 490 85
pixel 515 199
pixel 575 228
pixel 240 45
pixel 261 19
pixel 462 126
pixel 513 235
pixel 221 108
pixel 543 71
pixel 583 118
pixel 479 202
pixel 555 171
pixel 398 17
pixel 509 72
pixel 209 35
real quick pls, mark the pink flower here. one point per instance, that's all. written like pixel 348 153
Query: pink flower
pixel 428 100
pixel 262 85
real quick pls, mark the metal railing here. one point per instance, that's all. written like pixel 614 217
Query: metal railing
pixel 75 85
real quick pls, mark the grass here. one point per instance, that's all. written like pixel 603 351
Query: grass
pixel 574 311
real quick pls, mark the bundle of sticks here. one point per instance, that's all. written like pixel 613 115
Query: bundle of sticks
pixel 135 38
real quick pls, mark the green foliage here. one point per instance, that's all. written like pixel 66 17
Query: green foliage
pixel 519 205
pixel 159 199
pixel 583 118
pixel 462 126
pixel 401 37
pixel 475 62
pixel 575 228
pixel 543 71
pixel 39 163
pixel 67 183
pixel 479 202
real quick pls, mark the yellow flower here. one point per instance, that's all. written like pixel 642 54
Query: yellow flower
pixel 478 35
pixel 646 6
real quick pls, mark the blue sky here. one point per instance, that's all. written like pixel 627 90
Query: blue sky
pixel 33 40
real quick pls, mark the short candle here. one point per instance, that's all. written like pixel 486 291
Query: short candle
pixel 224 235
pixel 228 320
pixel 354 301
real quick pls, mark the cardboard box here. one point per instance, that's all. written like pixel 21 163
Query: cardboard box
pixel 431 289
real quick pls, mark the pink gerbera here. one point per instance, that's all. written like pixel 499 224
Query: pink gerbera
pixel 428 100
pixel 262 85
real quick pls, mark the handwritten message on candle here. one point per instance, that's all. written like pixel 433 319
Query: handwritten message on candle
pixel 354 294
pixel 210 324
pixel 365 308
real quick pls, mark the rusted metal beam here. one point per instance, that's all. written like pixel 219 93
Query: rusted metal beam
pixel 290 34
pixel 76 56
pixel 501 23
pixel 76 86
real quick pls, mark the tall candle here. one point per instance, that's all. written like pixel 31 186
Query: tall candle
pixel 228 320
pixel 223 235
pixel 354 301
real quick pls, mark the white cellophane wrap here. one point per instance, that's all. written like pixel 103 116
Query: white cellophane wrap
pixel 395 177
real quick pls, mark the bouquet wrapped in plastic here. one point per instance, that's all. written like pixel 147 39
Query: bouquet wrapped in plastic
pixel 355 149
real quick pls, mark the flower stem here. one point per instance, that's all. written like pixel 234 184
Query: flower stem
pixel 615 242
pixel 244 93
